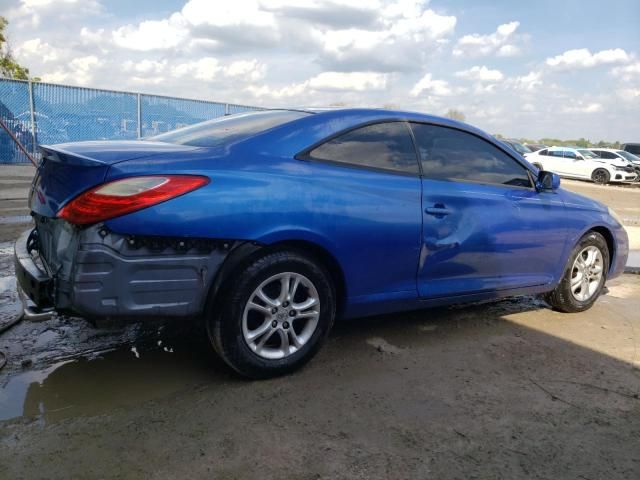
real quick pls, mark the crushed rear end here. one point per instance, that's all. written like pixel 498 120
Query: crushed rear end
pixel 89 270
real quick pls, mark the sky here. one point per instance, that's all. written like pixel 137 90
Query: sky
pixel 527 69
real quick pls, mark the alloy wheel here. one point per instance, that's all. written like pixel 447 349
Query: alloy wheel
pixel 587 273
pixel 281 315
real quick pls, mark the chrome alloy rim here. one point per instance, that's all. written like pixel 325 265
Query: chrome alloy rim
pixel 586 273
pixel 281 315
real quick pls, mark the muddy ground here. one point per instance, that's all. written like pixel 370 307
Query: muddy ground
pixel 506 390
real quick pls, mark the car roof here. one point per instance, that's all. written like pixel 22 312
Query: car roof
pixel 380 114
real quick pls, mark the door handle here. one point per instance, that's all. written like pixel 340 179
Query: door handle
pixel 437 210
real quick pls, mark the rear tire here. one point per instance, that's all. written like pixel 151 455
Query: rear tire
pixel 538 166
pixel 262 328
pixel 600 176
pixel 581 286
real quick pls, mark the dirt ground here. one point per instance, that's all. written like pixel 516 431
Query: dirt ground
pixel 505 390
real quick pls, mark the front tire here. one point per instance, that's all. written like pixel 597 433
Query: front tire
pixel 600 176
pixel 273 315
pixel 584 276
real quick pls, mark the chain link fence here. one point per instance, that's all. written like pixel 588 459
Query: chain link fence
pixel 44 113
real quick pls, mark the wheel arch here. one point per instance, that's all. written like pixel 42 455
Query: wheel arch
pixel 608 236
pixel 245 253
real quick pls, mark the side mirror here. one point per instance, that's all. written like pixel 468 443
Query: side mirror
pixel 579 157
pixel 547 181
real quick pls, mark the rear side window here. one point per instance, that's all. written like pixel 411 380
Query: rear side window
pixel 384 146
pixel 449 154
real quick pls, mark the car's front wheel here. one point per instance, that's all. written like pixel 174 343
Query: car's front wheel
pixel 273 315
pixel 584 277
pixel 600 176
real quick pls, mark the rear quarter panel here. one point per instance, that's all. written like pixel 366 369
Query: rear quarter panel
pixel 369 222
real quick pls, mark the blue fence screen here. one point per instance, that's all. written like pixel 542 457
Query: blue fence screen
pixel 63 113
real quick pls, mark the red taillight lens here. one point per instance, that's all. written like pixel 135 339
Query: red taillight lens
pixel 120 197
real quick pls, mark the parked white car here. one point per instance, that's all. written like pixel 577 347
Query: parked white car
pixel 581 164
pixel 616 154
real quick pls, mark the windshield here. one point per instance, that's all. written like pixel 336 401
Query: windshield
pixel 587 154
pixel 228 129
pixel 518 147
pixel 629 156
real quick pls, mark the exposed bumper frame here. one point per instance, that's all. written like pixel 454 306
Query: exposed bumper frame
pixel 104 275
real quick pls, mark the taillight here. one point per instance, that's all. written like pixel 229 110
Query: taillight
pixel 120 197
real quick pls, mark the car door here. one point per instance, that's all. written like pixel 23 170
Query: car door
pixel 485 226
pixel 371 205
pixel 553 161
pixel 575 165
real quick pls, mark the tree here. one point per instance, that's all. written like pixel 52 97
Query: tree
pixel 454 114
pixel 9 67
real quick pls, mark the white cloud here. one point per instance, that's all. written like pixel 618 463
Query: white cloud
pixel 628 72
pixel 403 40
pixel 31 12
pixel 629 94
pixel 581 107
pixel 481 73
pixel 248 69
pixel 358 81
pixel 37 48
pixel 528 82
pixel 329 82
pixel 382 35
pixel 80 71
pixel 430 86
pixel 205 69
pixel 152 34
pixel 499 42
pixel 145 67
pixel 583 58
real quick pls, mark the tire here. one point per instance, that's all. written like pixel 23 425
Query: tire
pixel 538 166
pixel 566 298
pixel 600 176
pixel 240 313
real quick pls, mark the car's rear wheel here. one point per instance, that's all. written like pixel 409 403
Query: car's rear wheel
pixel 600 176
pixel 538 166
pixel 584 277
pixel 273 315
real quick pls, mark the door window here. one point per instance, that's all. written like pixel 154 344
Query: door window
pixel 453 155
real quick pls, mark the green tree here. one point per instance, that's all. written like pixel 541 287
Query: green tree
pixel 454 114
pixel 9 67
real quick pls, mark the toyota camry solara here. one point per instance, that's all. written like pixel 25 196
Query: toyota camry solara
pixel 270 225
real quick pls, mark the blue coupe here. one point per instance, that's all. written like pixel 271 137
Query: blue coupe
pixel 272 224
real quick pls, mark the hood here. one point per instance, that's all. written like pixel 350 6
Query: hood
pixel 616 162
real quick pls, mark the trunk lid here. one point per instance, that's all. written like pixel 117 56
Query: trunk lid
pixel 66 170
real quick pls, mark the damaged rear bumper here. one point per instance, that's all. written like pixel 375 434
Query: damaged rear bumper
pixel 97 273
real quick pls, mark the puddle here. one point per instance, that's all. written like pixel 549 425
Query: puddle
pixel 93 387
